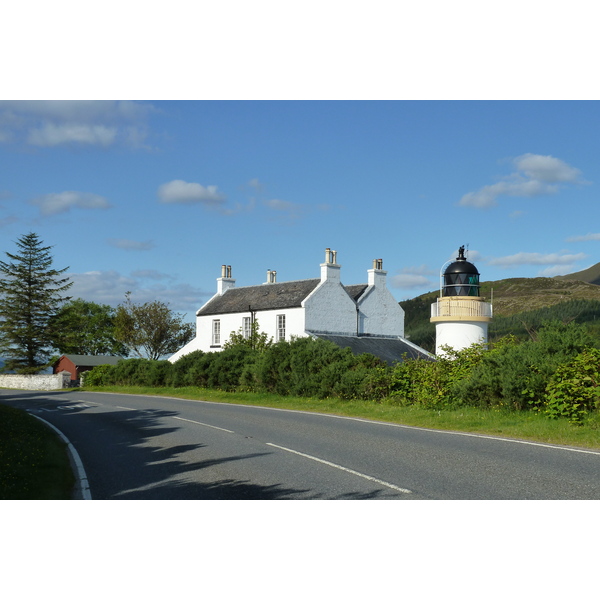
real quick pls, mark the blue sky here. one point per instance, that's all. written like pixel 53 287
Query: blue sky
pixel 153 197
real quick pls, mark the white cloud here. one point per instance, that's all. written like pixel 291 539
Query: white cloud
pixel 51 134
pixel 152 274
pixel 53 204
pixel 409 281
pixel 110 287
pixel 256 184
pixel 288 211
pixel 413 277
pixel 584 238
pixel 556 270
pixel 125 244
pixel 535 175
pixel 547 169
pixel 104 287
pixel 5 221
pixel 535 258
pixel 182 192
pixel 283 205
pixel 58 122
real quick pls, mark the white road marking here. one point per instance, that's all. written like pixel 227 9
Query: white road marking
pixel 336 466
pixel 387 424
pixel 83 483
pixel 204 424
pixel 125 408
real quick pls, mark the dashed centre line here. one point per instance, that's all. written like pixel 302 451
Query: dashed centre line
pixel 204 424
pixel 320 460
pixel 336 466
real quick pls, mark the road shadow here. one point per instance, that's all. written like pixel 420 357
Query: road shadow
pixel 128 455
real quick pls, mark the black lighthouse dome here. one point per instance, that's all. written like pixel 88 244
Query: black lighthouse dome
pixel 461 278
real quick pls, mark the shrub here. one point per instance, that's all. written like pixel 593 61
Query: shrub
pixel 98 376
pixel 514 375
pixel 574 389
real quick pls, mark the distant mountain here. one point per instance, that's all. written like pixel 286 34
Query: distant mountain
pixel 591 275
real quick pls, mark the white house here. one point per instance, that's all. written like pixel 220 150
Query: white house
pixel 364 317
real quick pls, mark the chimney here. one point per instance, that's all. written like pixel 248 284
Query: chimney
pixel 271 276
pixel 376 275
pixel 330 270
pixel 225 282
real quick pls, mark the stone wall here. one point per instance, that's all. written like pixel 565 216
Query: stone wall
pixel 36 382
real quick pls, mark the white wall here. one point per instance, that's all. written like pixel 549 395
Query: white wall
pixel 329 309
pixel 380 313
pixel 459 335
pixel 267 323
pixel 36 382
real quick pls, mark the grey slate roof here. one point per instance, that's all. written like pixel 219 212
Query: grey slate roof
pixel 268 296
pixel 84 360
pixel 388 349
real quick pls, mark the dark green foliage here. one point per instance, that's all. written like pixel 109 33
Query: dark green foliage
pixel 585 312
pixel 82 327
pixel 515 375
pixel 432 383
pixel 556 371
pixel 574 389
pixel 30 295
pixel 418 329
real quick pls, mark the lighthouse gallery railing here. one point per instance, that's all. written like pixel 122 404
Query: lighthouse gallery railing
pixel 460 308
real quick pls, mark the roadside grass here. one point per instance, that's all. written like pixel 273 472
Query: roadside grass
pixel 499 423
pixel 34 464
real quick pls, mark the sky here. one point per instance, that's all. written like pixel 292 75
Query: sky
pixel 153 197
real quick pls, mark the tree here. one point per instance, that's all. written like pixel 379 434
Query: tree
pixel 151 330
pixel 255 339
pixel 30 295
pixel 82 327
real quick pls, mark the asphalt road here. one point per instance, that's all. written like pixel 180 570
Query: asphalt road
pixel 145 447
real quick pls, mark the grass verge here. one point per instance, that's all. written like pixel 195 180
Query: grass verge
pixel 34 464
pixel 509 424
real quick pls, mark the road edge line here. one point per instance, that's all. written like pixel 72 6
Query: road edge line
pixel 82 486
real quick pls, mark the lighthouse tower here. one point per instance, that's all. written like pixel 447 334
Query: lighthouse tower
pixel 460 314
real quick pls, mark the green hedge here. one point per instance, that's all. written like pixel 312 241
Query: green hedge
pixel 542 374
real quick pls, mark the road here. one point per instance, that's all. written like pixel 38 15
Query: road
pixel 147 447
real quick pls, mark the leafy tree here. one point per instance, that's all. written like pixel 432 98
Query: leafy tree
pixel 256 339
pixel 151 330
pixel 30 295
pixel 82 327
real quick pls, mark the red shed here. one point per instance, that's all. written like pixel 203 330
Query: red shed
pixel 77 363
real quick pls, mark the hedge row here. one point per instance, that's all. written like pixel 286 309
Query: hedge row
pixel 557 373
pixel 302 367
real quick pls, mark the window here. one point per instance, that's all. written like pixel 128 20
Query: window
pixel 247 328
pixel 216 332
pixel 280 327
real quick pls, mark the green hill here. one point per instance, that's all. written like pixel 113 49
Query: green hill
pixel 520 305
pixel 591 275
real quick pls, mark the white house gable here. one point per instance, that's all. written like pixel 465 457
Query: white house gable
pixel 329 308
pixel 379 312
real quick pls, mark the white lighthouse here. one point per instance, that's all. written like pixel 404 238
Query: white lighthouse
pixel 460 314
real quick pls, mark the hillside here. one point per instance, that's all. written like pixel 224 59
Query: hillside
pixel 511 296
pixel 519 304
pixel 591 275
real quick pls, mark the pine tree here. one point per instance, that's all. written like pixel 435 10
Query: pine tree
pixel 30 295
